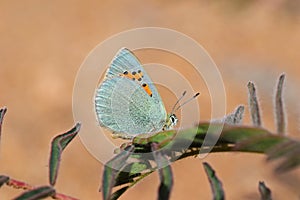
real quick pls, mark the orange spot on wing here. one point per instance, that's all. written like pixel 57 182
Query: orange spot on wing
pixel 134 77
pixel 129 75
pixel 147 89
pixel 138 77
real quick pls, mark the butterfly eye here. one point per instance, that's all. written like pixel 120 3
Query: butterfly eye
pixel 173 119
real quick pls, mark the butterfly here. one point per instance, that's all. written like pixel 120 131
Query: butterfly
pixel 127 101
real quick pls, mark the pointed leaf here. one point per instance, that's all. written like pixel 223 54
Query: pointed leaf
pixel 165 173
pixel 259 144
pixel 37 193
pixel 166 182
pixel 236 117
pixel 279 107
pixel 265 192
pixel 129 172
pixel 2 113
pixel 284 150
pixel 59 196
pixel 254 105
pixel 215 183
pixel 3 180
pixel 58 144
pixel 111 170
pixel 19 184
pixel 291 159
pixel 118 193
pixel 236 134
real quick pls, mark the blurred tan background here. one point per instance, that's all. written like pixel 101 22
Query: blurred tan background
pixel 42 45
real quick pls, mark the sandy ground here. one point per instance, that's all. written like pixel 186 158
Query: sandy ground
pixel 42 46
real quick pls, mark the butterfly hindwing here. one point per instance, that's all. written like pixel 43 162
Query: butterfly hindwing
pixel 127 101
pixel 123 106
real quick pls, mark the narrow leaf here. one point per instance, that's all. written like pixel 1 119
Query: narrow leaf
pixel 237 134
pixel 19 184
pixel 236 117
pixel 263 143
pixel 288 164
pixel 129 172
pixel 58 144
pixel 37 193
pixel 3 180
pixel 166 182
pixel 165 173
pixel 279 107
pixel 111 170
pixel 283 149
pixel 118 193
pixel 254 105
pixel 265 192
pixel 215 183
pixel 288 151
pixel 59 196
pixel 2 113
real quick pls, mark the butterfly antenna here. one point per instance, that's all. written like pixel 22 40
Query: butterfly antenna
pixel 173 109
pixel 187 101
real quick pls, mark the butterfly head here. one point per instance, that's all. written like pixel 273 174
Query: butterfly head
pixel 172 120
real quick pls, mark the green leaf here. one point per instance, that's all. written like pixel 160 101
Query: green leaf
pixel 215 183
pixel 236 134
pixel 260 144
pixel 3 180
pixel 265 192
pixel 163 138
pixel 166 182
pixel 37 193
pixel 59 143
pixel 111 170
pixel 165 173
pixel 125 177
pixel 119 192
pixel 2 113
pixel 283 149
pixel 131 171
pixel 289 151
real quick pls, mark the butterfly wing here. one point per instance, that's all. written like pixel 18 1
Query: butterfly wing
pixel 124 107
pixel 126 62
